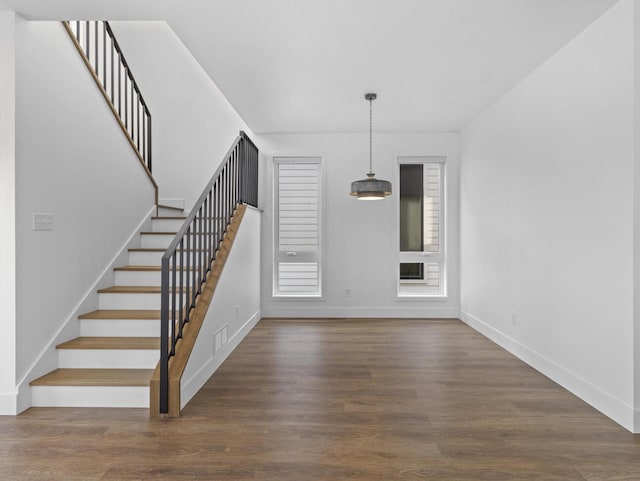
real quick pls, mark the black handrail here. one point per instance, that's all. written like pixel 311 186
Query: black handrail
pixel 189 257
pixel 104 55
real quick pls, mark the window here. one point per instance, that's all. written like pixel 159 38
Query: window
pixel 297 222
pixel 421 269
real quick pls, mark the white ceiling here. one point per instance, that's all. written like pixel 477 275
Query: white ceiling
pixel 305 65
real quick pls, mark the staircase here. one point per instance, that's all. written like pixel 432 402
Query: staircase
pixel 112 361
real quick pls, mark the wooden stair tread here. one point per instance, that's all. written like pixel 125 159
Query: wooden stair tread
pixel 95 377
pixel 157 249
pixel 138 268
pixel 130 290
pixel 142 268
pixel 149 314
pixel 133 290
pixel 111 343
pixel 170 207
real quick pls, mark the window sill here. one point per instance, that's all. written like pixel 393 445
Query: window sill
pixel 422 297
pixel 281 297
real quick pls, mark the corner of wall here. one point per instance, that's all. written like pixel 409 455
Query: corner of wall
pixel 636 214
pixel 604 402
pixel 7 213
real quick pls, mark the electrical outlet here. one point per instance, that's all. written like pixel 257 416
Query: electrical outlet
pixel 42 221
pixel 237 312
pixel 347 293
pixel 514 318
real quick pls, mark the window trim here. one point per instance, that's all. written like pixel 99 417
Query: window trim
pixel 423 257
pixel 302 159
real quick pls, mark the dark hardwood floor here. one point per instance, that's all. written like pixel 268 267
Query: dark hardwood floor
pixel 340 400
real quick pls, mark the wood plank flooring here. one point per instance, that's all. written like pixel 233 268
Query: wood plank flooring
pixel 340 400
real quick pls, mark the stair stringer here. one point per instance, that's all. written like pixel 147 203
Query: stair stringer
pixel 185 346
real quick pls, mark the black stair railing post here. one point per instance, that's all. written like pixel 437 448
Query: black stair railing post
pixel 164 338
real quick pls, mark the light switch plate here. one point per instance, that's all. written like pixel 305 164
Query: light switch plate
pixel 42 221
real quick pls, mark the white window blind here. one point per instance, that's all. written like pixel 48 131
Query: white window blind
pixel 297 227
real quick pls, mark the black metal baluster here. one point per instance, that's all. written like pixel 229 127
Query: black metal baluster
pixel 131 109
pixel 211 198
pixel 203 267
pixel 144 136
pixel 138 122
pixel 88 43
pixel 97 60
pixel 243 170
pixel 119 85
pixel 173 293
pixel 126 95
pixel 181 302
pixel 104 56
pixel 214 225
pixel 149 146
pixel 112 54
pixel 234 177
pixel 187 306
pixel 194 260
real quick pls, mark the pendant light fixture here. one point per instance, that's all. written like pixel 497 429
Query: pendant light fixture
pixel 371 188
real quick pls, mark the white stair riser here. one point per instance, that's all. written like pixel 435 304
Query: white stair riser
pixel 137 258
pixel 166 225
pixel 119 327
pixel 155 241
pixel 152 278
pixel 108 358
pixel 90 396
pixel 128 301
pixel 139 278
pixel 162 212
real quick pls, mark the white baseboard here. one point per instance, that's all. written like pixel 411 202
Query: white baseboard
pixel 190 387
pixel 91 396
pixel 601 400
pixel 308 310
pixel 8 403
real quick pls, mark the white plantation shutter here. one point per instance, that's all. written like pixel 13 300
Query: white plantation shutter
pixel 432 208
pixel 297 232
pixel 422 257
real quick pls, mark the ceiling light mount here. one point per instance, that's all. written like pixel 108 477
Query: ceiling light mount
pixel 371 188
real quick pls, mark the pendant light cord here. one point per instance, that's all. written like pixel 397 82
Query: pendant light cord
pixel 371 136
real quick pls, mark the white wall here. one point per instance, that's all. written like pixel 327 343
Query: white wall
pixel 193 123
pixel 547 217
pixel 73 161
pixel 636 213
pixel 360 238
pixel 236 304
pixel 7 215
